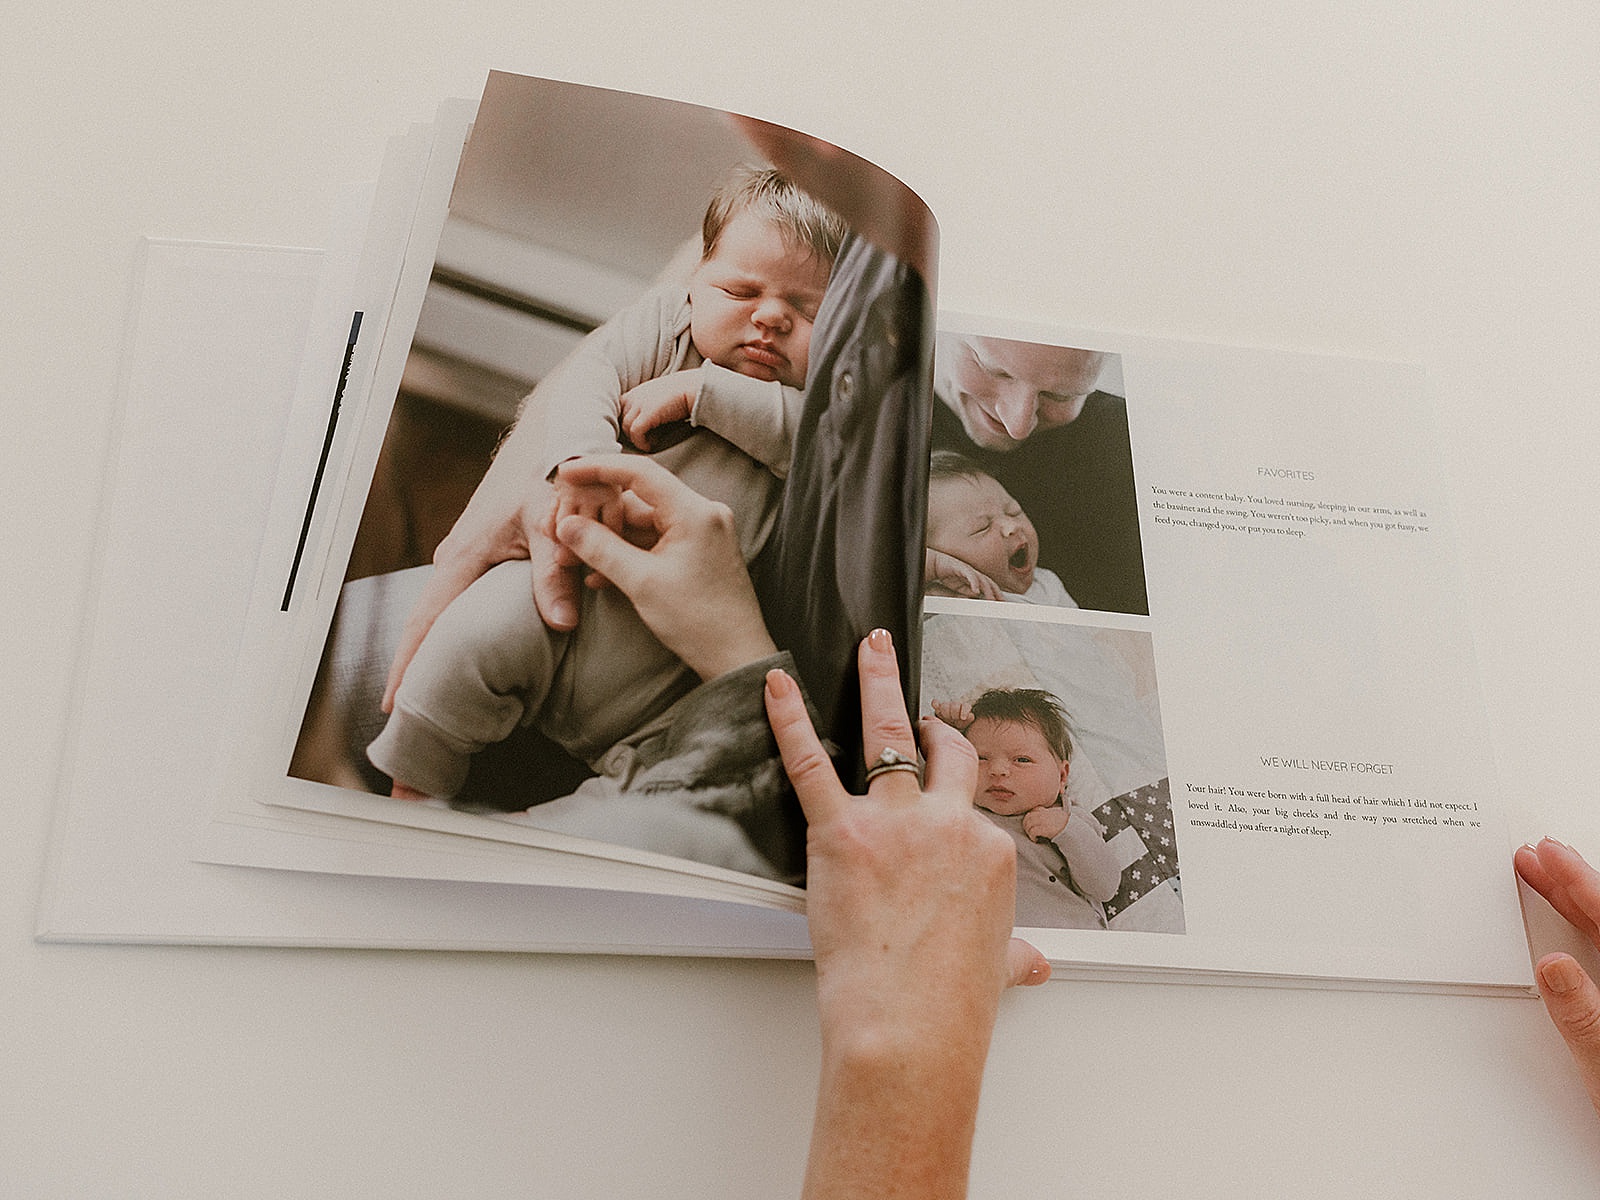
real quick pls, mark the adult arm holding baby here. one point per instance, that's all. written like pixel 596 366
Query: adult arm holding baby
pixel 507 518
pixel 732 340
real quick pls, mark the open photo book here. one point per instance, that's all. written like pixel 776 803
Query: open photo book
pixel 1197 609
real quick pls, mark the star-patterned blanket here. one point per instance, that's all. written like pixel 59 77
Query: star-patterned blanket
pixel 1138 827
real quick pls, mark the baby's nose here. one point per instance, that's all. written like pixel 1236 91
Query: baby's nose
pixel 771 314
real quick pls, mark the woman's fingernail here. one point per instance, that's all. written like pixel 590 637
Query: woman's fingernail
pixel 779 683
pixel 880 640
pixel 1561 975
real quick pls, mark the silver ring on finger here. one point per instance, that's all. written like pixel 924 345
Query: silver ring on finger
pixel 890 760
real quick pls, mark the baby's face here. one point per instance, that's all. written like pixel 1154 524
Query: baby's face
pixel 1017 770
pixel 753 301
pixel 977 521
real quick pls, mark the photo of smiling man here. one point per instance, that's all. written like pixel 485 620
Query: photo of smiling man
pixel 1048 426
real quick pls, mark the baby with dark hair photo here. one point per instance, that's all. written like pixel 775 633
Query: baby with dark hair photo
pixel 1065 870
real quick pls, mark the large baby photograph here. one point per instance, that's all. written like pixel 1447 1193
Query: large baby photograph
pixel 656 432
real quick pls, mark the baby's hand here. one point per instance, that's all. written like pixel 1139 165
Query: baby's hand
pixel 596 501
pixel 1042 824
pixel 945 575
pixel 657 402
pixel 954 713
pixel 590 500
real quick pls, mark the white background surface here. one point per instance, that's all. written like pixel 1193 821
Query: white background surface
pixel 1414 181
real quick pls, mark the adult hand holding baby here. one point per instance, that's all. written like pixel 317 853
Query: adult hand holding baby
pixel 507 518
pixel 677 560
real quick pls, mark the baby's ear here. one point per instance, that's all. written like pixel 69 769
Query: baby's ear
pixel 1065 767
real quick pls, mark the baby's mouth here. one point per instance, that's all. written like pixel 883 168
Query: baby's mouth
pixel 1019 559
pixel 765 355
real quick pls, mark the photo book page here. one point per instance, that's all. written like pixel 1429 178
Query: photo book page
pixel 723 317
pixel 1197 609
pixel 1258 693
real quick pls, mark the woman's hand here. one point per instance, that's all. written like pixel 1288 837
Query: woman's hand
pixel 910 898
pixel 677 559
pixel 1559 874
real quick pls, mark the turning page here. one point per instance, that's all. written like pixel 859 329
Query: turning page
pixel 626 317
